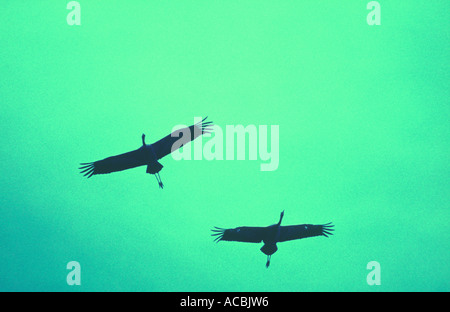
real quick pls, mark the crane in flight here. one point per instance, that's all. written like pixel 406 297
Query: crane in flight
pixel 272 234
pixel 148 154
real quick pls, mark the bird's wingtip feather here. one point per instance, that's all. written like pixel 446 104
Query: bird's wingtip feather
pixel 218 232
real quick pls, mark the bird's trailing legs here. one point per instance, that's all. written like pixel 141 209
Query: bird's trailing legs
pixel 143 139
pixel 268 261
pixel 158 178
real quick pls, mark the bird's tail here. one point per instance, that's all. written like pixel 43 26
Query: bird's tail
pixel 268 261
pixel 154 167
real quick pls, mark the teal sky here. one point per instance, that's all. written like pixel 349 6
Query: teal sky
pixel 363 113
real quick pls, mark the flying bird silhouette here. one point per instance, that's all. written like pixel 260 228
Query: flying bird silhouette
pixel 271 235
pixel 148 154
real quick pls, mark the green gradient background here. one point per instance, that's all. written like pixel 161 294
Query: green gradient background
pixel 364 142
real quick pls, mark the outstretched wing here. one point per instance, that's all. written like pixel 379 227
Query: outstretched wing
pixel 304 230
pixel 120 162
pixel 245 234
pixel 166 145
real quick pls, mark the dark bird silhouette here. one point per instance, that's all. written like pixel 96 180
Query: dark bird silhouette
pixel 271 235
pixel 148 154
